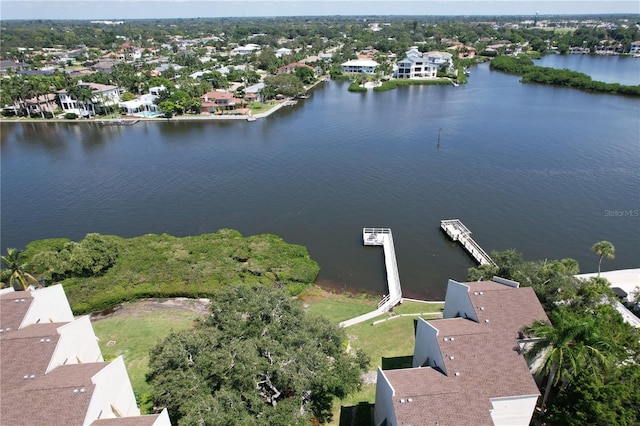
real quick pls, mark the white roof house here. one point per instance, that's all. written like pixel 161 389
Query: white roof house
pixel 360 66
pixel 142 106
pixel 53 363
pixel 465 369
pixel 282 52
pixel 246 49
pixel 423 64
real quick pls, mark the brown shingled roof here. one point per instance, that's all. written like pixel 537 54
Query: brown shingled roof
pixel 128 421
pixel 482 361
pixel 62 396
pixel 25 353
pixel 13 308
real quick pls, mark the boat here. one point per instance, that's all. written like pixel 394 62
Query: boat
pixel 466 71
pixel 455 84
pixel 250 117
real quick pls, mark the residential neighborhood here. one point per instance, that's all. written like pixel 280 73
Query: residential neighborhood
pixel 114 76
pixel 139 135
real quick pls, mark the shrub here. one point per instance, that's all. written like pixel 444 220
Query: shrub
pixel 70 116
pixel 355 87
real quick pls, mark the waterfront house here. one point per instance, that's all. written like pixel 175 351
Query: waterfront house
pixel 219 100
pixel 101 95
pixel 635 47
pixel 35 106
pixel 254 92
pixel 418 64
pixel 360 66
pixel 468 367
pixel 52 370
pixel 143 106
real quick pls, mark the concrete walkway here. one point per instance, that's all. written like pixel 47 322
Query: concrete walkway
pixel 629 281
pixel 362 318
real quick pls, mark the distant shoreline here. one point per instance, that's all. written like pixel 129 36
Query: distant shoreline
pixel 202 117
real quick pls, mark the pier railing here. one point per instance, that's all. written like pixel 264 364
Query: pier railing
pixel 384 237
pixel 456 230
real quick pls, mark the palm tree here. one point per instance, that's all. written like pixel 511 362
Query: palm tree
pixel 12 262
pixel 569 345
pixel 604 249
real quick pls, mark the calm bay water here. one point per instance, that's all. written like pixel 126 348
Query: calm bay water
pixel 547 171
pixel 610 69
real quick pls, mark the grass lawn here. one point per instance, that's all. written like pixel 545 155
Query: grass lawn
pixel 259 107
pixel 390 342
pixel 134 336
pixel 137 327
pixel 336 307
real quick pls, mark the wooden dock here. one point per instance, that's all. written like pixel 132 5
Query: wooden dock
pixel 382 237
pixel 460 233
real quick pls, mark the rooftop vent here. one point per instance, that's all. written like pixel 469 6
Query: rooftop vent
pixel 475 293
pixel 452 339
pixel 410 400
pixel 486 320
pixel 457 373
pixel 482 308
pixel 445 339
pixel 481 293
pixel 451 357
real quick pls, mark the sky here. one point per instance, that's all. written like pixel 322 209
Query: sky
pixel 154 9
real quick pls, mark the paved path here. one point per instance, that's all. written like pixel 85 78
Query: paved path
pixel 629 281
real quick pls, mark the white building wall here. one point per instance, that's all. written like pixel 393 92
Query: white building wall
pixel 77 344
pixel 427 347
pixel 163 419
pixel 504 281
pixel 383 409
pixel 457 302
pixel 513 411
pixel 113 390
pixel 49 304
pixel 6 290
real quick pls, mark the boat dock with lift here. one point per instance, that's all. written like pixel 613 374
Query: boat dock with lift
pixel 460 233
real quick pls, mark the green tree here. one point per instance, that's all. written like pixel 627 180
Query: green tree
pixel 589 400
pixel 17 274
pixel 93 255
pixel 258 359
pixel 306 75
pixel 570 345
pixel 603 249
pixel 285 84
pixel 127 96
